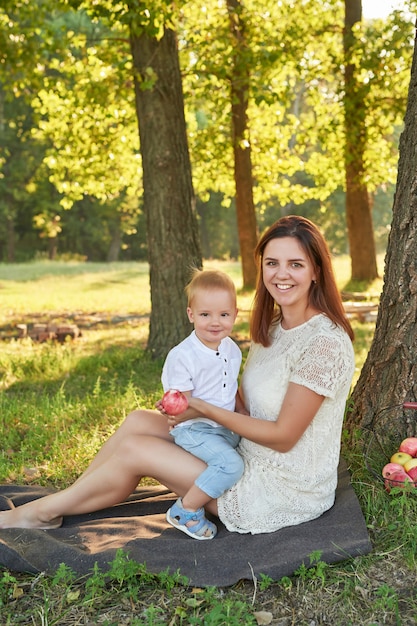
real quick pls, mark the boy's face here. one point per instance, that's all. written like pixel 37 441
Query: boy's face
pixel 213 313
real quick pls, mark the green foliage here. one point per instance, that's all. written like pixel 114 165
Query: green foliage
pixel 7 585
pixel 64 575
pixel 265 582
pixel 70 165
pixel 314 570
pixel 387 602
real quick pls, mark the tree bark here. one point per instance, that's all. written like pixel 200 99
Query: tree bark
pixel 358 208
pixel 169 204
pixel 389 375
pixel 115 242
pixel 245 208
pixel 11 236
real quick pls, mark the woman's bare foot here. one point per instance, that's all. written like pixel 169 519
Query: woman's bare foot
pixel 27 516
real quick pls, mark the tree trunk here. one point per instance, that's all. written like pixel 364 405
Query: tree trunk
pixel 389 375
pixel 204 234
pixel 116 241
pixel 11 237
pixel 169 204
pixel 358 208
pixel 245 208
pixel 52 248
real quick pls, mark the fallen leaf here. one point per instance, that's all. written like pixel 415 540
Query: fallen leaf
pixel 263 617
pixel 72 596
pixel 17 592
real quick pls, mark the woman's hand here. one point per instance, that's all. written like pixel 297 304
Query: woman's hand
pixel 173 420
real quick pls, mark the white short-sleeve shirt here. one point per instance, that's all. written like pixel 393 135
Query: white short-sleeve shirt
pixel 211 375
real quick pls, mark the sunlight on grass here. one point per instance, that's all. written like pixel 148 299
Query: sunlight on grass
pixel 67 288
pixel 342 270
pixel 50 289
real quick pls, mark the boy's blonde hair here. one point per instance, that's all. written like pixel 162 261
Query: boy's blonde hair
pixel 209 279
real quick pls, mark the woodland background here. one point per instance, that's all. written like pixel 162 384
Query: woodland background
pixel 70 156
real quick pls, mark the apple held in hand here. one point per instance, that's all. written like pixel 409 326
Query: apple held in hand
pixel 174 402
pixel 409 445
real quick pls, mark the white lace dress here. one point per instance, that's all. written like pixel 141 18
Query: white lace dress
pixel 283 489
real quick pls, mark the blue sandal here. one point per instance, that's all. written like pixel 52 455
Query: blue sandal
pixel 179 517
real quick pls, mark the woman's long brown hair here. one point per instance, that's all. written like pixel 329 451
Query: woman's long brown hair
pixel 324 294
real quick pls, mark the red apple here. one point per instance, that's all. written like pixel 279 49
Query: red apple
pixel 412 472
pixel 400 457
pixel 174 402
pixel 397 479
pixel 389 468
pixel 409 445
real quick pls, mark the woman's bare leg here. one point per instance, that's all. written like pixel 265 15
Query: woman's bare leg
pixel 112 480
pixel 139 422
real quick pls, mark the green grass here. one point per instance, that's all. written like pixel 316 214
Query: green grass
pixel 58 403
pixel 93 287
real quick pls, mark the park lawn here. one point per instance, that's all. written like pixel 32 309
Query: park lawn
pixel 59 402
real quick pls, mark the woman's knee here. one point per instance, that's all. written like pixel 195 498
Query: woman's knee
pixel 146 422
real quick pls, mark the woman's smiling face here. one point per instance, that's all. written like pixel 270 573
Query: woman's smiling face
pixel 287 273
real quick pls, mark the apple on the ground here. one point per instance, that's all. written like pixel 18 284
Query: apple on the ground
pixel 412 472
pixel 389 468
pixel 397 479
pixel 400 457
pixel 409 445
pixel 409 464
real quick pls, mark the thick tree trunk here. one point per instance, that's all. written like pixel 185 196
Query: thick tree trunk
pixel 389 375
pixel 245 208
pixel 169 204
pixel 358 208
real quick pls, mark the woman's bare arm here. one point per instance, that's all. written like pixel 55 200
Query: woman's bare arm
pixel 298 410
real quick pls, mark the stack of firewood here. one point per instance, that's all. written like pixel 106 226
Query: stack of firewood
pixel 48 332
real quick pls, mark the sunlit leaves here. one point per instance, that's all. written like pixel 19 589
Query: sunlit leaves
pixel 290 57
pixel 88 116
pixel 75 56
pixel 295 62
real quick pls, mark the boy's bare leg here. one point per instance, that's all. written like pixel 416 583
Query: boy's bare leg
pixel 195 498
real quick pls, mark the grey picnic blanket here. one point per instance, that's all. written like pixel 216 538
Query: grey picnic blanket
pixel 138 527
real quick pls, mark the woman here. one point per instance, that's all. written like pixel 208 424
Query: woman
pixel 294 389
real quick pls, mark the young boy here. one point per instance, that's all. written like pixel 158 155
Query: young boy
pixel 206 365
